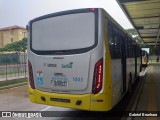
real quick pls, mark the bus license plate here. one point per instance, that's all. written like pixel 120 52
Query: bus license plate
pixel 60 83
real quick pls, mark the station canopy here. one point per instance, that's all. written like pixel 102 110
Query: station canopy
pixel 145 17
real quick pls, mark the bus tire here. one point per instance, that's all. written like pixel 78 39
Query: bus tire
pixel 130 84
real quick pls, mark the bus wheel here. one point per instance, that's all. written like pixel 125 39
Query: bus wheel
pixel 130 84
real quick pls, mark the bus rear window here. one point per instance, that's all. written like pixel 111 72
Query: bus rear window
pixel 64 32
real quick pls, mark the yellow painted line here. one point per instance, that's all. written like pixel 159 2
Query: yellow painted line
pixel 151 95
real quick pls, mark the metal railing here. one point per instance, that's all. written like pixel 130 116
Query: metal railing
pixel 13 71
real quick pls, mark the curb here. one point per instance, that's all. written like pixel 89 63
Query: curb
pixel 135 95
pixel 12 86
pixel 12 81
pixel 136 100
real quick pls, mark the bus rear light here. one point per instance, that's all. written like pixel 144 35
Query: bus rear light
pixel 98 77
pixel 93 9
pixel 30 71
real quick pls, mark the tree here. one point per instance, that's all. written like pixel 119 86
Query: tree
pixel 132 32
pixel 135 35
pixel 17 47
pixel 24 45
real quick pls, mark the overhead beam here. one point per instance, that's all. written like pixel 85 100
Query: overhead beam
pixel 150 37
pixel 149 29
pixel 152 45
pixel 127 15
pixel 151 42
pixel 146 17
pixel 148 34
pixel 139 2
pixel 124 1
pixel 158 44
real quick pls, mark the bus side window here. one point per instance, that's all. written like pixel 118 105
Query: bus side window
pixel 139 52
pixel 126 42
pixel 130 48
pixel 111 40
pixel 133 49
pixel 117 44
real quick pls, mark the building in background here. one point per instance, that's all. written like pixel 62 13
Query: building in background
pixel 11 34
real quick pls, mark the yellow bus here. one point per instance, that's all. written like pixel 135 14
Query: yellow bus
pixel 144 58
pixel 80 59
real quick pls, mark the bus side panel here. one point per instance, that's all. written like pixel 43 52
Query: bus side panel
pixel 138 61
pixel 103 100
pixel 117 81
pixel 107 67
pixel 113 73
pixel 138 65
pixel 100 102
pixel 108 75
pixel 130 69
pixel 30 59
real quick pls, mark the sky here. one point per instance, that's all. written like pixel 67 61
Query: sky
pixel 20 12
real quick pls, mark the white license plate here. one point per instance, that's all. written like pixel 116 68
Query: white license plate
pixel 60 83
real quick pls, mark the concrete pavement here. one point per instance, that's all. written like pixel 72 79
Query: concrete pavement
pixel 149 100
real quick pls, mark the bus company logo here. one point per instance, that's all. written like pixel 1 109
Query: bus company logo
pixel 52 65
pixel 49 65
pixel 59 78
pixel 59 74
pixel 69 65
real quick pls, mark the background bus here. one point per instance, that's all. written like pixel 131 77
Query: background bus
pixel 144 58
pixel 80 59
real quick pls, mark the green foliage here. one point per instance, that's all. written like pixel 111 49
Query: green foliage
pixel 23 45
pixel 132 32
pixel 135 35
pixel 18 46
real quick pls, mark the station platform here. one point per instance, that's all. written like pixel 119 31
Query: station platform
pixel 149 98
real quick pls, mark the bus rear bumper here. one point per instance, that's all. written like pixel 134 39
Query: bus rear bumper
pixel 89 102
